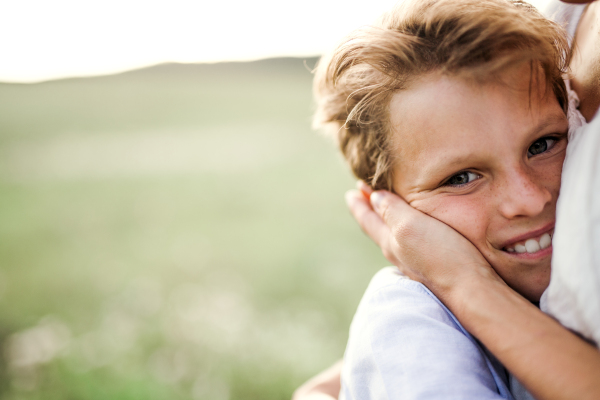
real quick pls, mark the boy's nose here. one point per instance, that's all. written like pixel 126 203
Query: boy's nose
pixel 525 195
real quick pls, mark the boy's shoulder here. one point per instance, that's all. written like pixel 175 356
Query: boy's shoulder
pixel 404 343
pixel 390 279
pixel 392 294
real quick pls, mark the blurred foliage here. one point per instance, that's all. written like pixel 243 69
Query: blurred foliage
pixel 176 232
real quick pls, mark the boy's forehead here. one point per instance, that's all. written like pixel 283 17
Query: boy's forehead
pixel 436 101
pixel 434 94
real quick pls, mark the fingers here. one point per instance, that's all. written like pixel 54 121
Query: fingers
pixel 369 221
pixel 364 188
pixel 388 205
pixel 391 208
pixel 406 229
pixel 379 213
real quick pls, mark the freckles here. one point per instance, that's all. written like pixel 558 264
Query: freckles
pixel 551 175
pixel 467 216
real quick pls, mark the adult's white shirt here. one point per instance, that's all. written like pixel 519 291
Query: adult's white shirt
pixel 573 296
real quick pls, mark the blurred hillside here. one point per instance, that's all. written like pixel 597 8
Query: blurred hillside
pixel 175 232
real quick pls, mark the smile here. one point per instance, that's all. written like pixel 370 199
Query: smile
pixel 531 245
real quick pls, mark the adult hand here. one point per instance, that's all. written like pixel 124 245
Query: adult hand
pixel 423 248
pixel 549 360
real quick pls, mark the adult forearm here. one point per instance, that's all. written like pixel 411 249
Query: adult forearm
pixel 550 361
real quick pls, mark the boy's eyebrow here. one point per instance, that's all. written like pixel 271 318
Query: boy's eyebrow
pixel 554 119
pixel 442 167
pixel 443 163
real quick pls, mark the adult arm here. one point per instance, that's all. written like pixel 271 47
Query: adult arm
pixel 550 361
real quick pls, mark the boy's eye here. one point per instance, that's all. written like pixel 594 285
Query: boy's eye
pixel 462 178
pixel 540 146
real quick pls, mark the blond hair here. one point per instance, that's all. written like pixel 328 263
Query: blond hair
pixel 472 38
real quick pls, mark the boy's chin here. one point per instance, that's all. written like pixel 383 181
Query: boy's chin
pixel 534 290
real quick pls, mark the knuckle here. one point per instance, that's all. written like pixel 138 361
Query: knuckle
pixel 401 232
pixel 407 229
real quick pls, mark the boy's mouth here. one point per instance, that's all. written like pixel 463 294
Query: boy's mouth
pixel 531 245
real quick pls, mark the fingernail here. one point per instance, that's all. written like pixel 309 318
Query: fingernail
pixel 363 187
pixel 376 199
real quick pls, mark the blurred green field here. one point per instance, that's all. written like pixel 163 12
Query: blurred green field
pixel 176 232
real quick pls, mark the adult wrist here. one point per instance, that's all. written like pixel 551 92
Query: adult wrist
pixel 458 287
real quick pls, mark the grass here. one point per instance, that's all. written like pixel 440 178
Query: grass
pixel 176 232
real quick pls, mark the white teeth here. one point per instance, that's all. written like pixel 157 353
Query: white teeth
pixel 520 248
pixel 532 246
pixel 545 241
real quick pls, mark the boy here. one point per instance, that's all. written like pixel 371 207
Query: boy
pixel 459 108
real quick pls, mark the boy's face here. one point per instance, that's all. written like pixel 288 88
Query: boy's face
pixel 486 160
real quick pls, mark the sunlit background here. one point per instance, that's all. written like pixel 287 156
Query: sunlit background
pixel 176 231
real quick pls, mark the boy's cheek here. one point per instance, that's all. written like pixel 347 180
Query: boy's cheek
pixel 550 171
pixel 465 214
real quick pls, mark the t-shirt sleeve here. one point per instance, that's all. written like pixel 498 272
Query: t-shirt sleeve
pixel 404 344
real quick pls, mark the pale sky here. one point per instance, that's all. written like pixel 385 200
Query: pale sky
pixel 47 39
